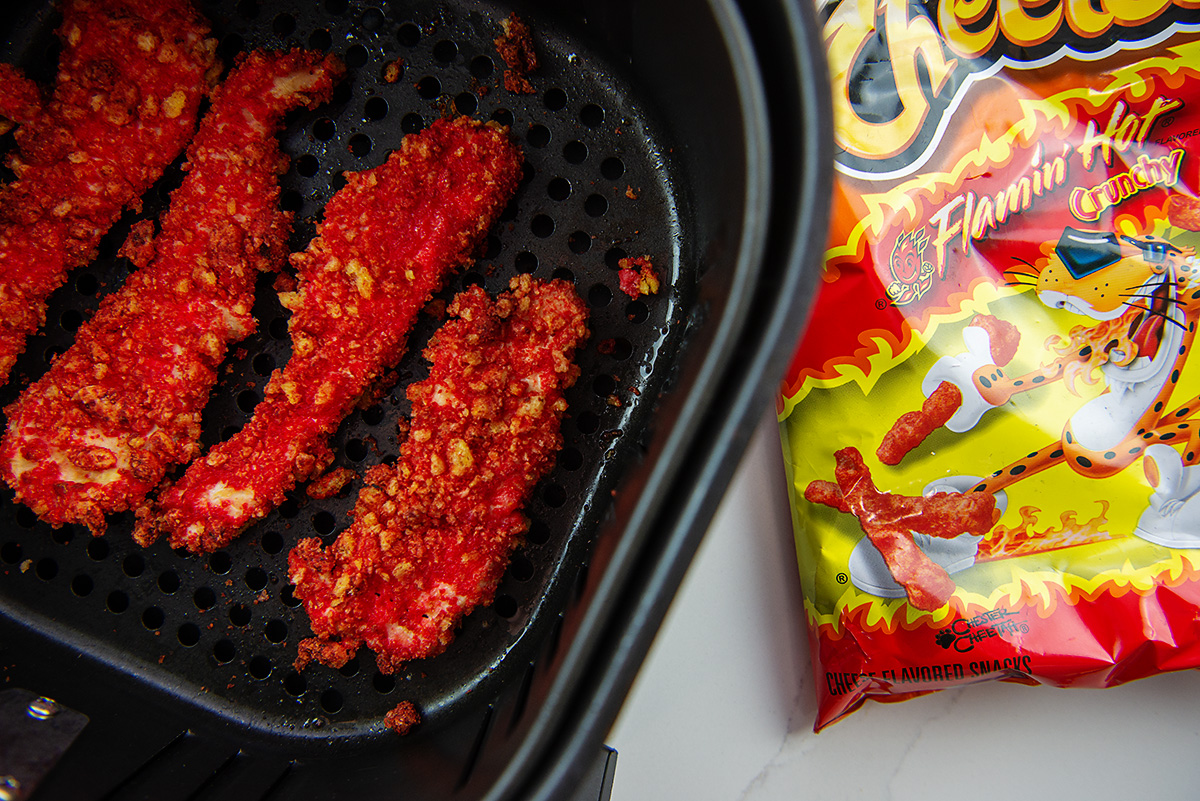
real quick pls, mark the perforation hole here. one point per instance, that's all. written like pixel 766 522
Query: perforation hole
pixel 264 364
pixel 372 19
pixel 70 320
pixel 575 152
pixel 256 578
pixel 587 422
pixel 351 668
pixel 618 348
pixel 558 189
pixel 220 562
pixel 526 262
pixel 579 242
pixel 324 129
pixel 613 256
pixel 429 87
pixel 272 542
pixel 204 598
pixel 230 46
pixel 10 553
pixel 570 459
pixel 82 585
pixel 554 496
pixel 97 549
pixel 46 569
pixel 505 606
pixel 596 205
pixel 360 145
pixel 375 109
pixel 224 651
pixel 283 25
pixel 168 582
pixel 383 683
pixel 373 415
pixel 133 565
pixel 612 168
pixel 539 532
pixel 320 40
pixel 520 567
pixel 117 602
pixel 248 9
pixel 554 99
pixel 482 67
pixel 260 667
pixel 288 596
pixel 412 124
pixel 247 399
pixel 307 165
pixel 63 535
pixel 408 34
pixel 239 615
pixel 25 517
pixel 87 284
pixel 445 51
pixel 503 116
pixel 153 618
pixel 599 296
pixel 538 136
pixel 323 522
pixel 542 226
pixel 636 312
pixel 466 103
pixel 356 56
pixel 563 274
pixel 294 684
pixel 188 635
pixel 331 701
pixel 591 115
pixel 275 631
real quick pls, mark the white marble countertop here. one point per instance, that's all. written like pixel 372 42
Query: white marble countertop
pixel 722 709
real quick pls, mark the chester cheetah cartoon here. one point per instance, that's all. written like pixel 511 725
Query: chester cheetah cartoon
pixel 1144 295
pixel 1143 291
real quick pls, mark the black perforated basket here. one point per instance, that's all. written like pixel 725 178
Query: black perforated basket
pixel 692 132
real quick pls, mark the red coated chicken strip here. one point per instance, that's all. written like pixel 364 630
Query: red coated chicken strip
pixel 433 533
pixel 388 241
pixel 100 429
pixel 130 80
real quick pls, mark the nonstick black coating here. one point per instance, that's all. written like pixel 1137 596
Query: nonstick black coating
pixel 224 628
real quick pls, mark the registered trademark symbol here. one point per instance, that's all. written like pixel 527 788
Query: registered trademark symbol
pixel 1167 122
pixel 842 578
pixel 881 304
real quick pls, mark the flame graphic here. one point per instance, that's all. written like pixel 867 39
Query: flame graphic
pixel 1023 539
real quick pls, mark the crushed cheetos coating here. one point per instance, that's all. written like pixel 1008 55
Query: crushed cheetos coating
pixel 122 405
pixel 388 241
pixel 433 533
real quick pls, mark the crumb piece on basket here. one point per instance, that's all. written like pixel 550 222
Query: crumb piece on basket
pixel 393 70
pixel 637 277
pixel 911 429
pixel 433 533
pixel 389 239
pixel 515 46
pixel 131 77
pixel 122 405
pixel 402 718
pixel 330 484
pixel 20 98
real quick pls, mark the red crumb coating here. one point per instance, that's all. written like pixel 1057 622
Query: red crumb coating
pixel 20 98
pixel 1005 338
pixel 911 429
pixel 130 80
pixel 636 276
pixel 402 718
pixel 889 521
pixel 433 533
pixel 515 46
pixel 100 429
pixel 389 240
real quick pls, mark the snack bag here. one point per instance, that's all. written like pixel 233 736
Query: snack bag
pixel 992 425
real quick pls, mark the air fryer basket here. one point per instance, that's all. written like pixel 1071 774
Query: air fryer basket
pixel 651 131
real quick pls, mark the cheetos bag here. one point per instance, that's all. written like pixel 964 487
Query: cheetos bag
pixel 992 425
